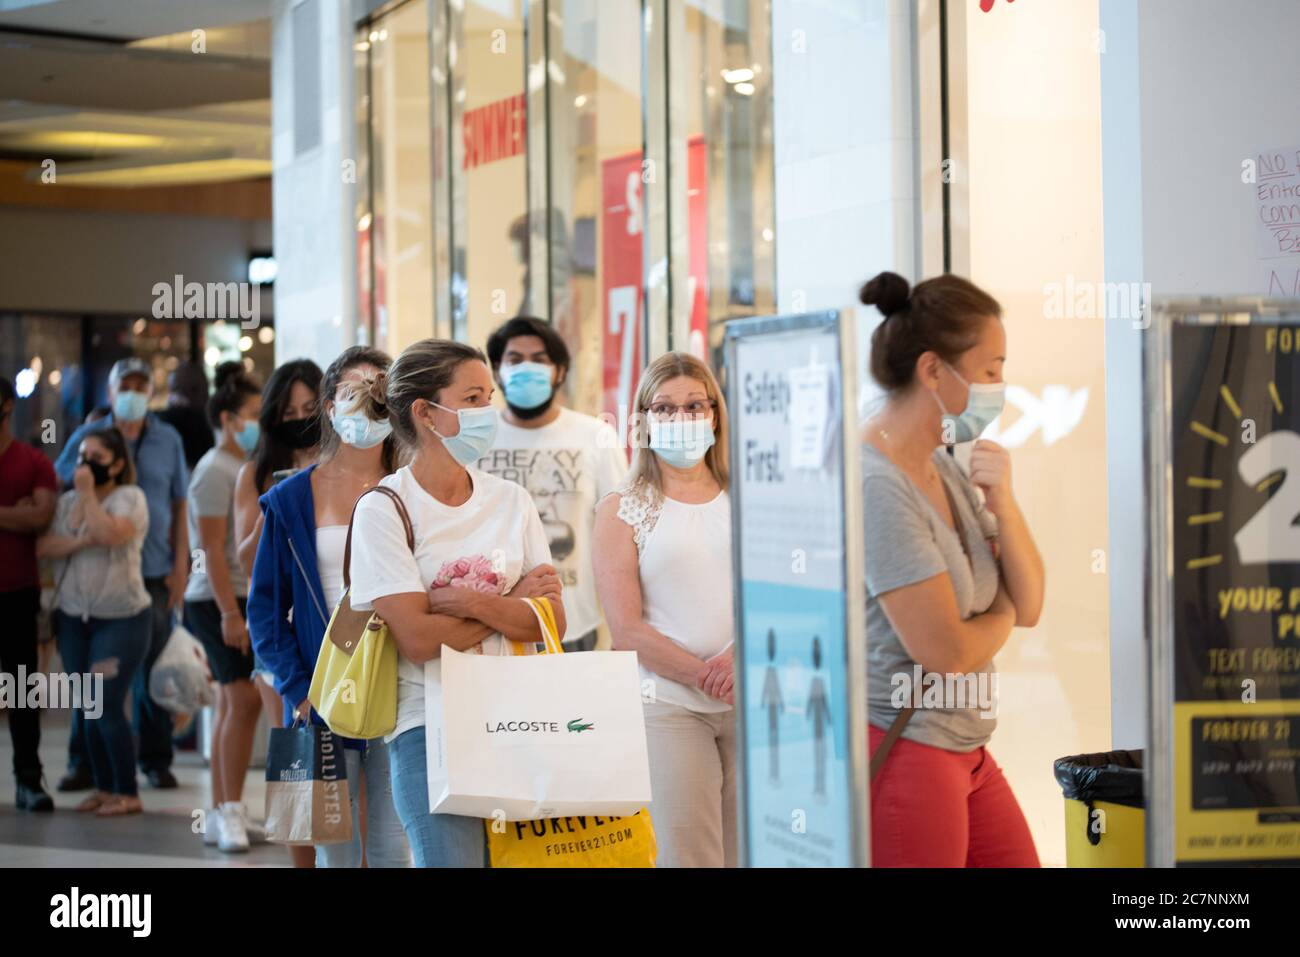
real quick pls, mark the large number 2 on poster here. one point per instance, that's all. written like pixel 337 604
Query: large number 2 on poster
pixel 1271 534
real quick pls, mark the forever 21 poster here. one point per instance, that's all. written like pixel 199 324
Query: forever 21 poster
pixel 1235 447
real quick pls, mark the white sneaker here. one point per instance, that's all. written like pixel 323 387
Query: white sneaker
pixel 211 822
pixel 232 834
pixel 255 830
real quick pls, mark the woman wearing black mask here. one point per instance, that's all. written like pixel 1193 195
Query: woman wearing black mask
pixel 290 435
pixel 103 609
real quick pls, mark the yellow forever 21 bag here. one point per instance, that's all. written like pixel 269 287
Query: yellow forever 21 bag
pixel 354 686
pixel 587 841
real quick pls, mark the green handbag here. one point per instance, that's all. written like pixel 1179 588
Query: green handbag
pixel 354 686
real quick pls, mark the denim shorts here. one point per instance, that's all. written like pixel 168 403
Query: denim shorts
pixel 228 665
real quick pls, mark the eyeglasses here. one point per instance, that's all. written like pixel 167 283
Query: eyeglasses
pixel 664 411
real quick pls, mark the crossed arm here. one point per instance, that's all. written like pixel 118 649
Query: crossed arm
pixel 423 623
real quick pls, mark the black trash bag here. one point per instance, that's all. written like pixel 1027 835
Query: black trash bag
pixel 1112 776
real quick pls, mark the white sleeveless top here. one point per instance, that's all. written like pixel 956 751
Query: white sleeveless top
pixel 684 554
pixel 330 540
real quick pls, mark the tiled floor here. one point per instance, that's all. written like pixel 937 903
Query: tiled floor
pixel 161 837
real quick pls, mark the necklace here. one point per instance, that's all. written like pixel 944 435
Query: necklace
pixel 931 475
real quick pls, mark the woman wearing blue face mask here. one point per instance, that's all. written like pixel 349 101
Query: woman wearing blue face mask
pixel 664 580
pixel 215 600
pixel 948 577
pixel 479 549
pixel 299 565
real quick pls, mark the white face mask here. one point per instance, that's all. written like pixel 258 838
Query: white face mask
pixel 355 428
pixel 681 442
pixel 984 403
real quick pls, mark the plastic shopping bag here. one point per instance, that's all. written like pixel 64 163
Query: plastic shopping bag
pixel 180 680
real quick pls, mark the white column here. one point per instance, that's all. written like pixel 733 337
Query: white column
pixel 313 182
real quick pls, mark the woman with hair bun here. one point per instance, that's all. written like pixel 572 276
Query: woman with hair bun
pixel 299 566
pixel 948 577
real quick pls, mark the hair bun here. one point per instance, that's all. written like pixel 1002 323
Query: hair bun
pixel 379 388
pixel 888 292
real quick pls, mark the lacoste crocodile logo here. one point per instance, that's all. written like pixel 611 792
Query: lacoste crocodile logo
pixel 577 725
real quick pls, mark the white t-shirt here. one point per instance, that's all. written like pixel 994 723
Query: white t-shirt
pixel 495 536
pixel 567 467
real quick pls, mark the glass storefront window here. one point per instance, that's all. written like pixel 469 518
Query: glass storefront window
pixel 597 220
pixel 41 356
pixel 489 176
pixel 225 341
pixel 400 227
pixel 604 164
pixel 720 144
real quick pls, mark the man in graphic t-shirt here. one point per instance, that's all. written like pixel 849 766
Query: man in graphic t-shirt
pixel 27 495
pixel 566 460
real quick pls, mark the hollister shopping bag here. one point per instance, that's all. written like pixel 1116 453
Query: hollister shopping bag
pixel 518 738
pixel 307 798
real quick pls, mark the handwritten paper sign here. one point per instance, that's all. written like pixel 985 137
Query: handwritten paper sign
pixel 1277 202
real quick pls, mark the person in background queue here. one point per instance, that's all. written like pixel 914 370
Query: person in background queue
pixel 102 609
pixel 288 434
pixel 158 456
pixel 947 576
pixel 28 488
pixel 215 601
pixel 568 461
pixel 187 409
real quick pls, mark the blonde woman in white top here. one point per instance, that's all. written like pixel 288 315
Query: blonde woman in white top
pixel 664 580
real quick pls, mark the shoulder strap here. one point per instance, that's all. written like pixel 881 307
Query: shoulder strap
pixel 891 736
pixel 958 525
pixel 401 511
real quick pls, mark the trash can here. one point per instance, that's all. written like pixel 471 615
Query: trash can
pixel 1105 817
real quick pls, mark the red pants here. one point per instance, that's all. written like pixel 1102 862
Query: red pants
pixel 937 808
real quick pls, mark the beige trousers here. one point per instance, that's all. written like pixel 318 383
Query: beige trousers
pixel 693 785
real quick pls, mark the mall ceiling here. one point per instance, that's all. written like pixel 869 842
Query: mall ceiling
pixel 117 95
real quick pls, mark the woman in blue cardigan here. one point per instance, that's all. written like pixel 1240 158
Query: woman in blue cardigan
pixel 298 578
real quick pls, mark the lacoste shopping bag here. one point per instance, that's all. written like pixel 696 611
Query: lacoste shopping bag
pixel 307 798
pixel 524 737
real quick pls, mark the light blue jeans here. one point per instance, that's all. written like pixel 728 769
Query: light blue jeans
pixel 385 840
pixel 437 840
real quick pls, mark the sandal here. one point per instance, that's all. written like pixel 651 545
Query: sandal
pixel 119 805
pixel 92 803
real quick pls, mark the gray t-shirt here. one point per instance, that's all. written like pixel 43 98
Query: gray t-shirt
pixel 907 541
pixel 212 495
pixel 99 582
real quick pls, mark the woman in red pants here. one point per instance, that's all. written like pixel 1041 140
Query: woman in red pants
pixel 948 577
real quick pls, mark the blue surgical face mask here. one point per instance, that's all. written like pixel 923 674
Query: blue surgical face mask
pixel 681 443
pixel 130 406
pixel 478 430
pixel 357 429
pixel 527 384
pixel 983 404
pixel 246 438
